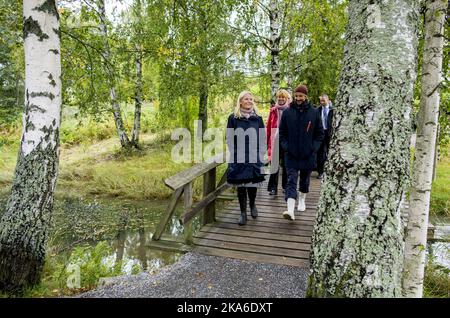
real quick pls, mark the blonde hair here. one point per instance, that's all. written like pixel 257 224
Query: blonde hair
pixel 237 109
pixel 284 93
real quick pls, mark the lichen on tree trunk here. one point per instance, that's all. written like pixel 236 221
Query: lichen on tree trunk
pixel 24 225
pixel 358 239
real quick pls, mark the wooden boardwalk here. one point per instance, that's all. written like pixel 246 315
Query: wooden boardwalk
pixel 268 239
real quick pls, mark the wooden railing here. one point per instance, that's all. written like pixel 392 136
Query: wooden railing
pixel 181 184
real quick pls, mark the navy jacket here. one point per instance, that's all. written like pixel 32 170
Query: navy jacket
pixel 301 134
pixel 246 160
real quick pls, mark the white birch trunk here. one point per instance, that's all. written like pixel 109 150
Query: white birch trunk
pixel 124 140
pixel 416 236
pixel 357 244
pixel 138 100
pixel 138 92
pixel 275 39
pixel 24 226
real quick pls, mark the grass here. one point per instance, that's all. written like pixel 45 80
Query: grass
pixel 440 193
pixel 437 278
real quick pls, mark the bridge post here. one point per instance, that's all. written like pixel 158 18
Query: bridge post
pixel 188 233
pixel 209 185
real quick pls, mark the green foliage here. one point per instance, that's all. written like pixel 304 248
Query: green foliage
pixel 440 192
pixel 320 27
pixel 11 62
pixel 194 58
pixel 57 272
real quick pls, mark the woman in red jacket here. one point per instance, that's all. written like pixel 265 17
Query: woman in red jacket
pixel 277 159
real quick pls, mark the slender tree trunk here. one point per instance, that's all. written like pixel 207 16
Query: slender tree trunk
pixel 124 140
pixel 204 83
pixel 275 39
pixel 203 104
pixel 138 100
pixel 24 225
pixel 357 244
pixel 138 92
pixel 416 237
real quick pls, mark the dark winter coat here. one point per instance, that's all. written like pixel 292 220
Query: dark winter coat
pixel 244 171
pixel 301 134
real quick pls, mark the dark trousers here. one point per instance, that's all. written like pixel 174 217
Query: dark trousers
pixel 322 154
pixel 273 179
pixel 291 186
pixel 242 196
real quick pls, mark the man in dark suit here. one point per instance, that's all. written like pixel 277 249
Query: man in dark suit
pixel 326 116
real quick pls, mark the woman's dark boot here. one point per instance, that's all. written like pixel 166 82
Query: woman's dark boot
pixel 252 197
pixel 242 196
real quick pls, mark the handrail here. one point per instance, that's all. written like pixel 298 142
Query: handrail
pixel 182 183
pixel 186 176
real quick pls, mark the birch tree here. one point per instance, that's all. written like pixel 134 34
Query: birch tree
pixel 137 8
pixel 274 40
pixel 121 132
pixel 24 225
pixel 199 48
pixel 416 236
pixel 357 244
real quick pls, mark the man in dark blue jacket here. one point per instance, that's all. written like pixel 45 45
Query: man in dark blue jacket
pixel 301 134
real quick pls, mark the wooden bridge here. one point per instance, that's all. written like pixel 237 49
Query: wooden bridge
pixel 268 239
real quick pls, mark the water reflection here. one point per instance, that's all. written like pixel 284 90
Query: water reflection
pixel 134 256
pixel 126 225
pixel 440 250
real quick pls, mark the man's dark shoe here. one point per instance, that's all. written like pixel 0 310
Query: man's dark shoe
pixel 320 176
pixel 273 192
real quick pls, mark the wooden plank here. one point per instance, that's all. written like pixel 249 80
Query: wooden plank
pixel 255 234
pixel 275 205
pixel 278 218
pixel 294 225
pixel 269 222
pixel 252 248
pixel 166 217
pixel 229 197
pixel 192 212
pixel 169 246
pixel 262 229
pixel 184 177
pixel 430 231
pixel 188 231
pixel 254 241
pixel 253 257
pixel 271 213
pixel 209 185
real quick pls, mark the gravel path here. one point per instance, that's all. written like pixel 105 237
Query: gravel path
pixel 200 276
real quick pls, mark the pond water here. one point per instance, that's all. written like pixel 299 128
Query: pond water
pixel 127 226
pixel 440 249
